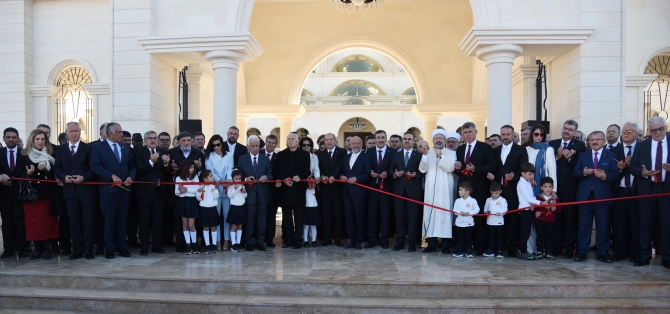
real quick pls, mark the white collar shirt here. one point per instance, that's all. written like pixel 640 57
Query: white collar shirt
pixel 654 147
pixel 353 158
pixel 625 153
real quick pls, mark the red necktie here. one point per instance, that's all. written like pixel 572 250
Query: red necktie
pixel 467 155
pixel 269 155
pixel 659 163
pixel 11 160
pixel 72 150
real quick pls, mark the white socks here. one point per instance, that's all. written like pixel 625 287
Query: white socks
pixel 205 234
pixel 238 235
pixel 214 236
pixel 313 232
pixel 187 236
pixel 194 237
pixel 233 237
pixel 307 230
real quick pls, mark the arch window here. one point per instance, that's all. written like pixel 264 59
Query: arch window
pixel 356 100
pixel 74 103
pixel 357 88
pixel 358 63
pixel 657 93
pixel 410 91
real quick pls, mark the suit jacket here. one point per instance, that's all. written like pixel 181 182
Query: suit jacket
pixel 564 167
pixel 620 152
pixel 289 164
pixel 271 186
pixel 79 165
pixel 386 162
pixel 104 164
pixel 642 157
pixel 257 192
pixel 331 168
pixel 481 156
pixel 12 190
pixel 402 185
pixel 239 151
pixel 360 170
pixel 516 157
pixel 601 188
pixel 150 173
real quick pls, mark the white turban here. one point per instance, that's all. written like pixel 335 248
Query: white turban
pixel 454 135
pixel 439 131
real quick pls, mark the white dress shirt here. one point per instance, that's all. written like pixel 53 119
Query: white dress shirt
pixel 472 149
pixel 16 151
pixel 76 146
pixel 654 146
pixel 525 191
pixel 505 152
pixel 352 161
pixel 625 152
pixel 231 147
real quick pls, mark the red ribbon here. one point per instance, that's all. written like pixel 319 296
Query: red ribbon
pixel 466 172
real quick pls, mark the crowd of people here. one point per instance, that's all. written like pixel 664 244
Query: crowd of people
pixel 223 195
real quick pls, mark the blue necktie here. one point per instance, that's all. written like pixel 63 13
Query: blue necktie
pixel 116 153
pixel 406 158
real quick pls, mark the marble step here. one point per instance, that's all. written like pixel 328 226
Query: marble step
pixel 114 301
pixel 388 289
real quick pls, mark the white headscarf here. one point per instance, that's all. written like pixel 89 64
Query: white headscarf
pixel 454 135
pixel 439 131
pixel 41 157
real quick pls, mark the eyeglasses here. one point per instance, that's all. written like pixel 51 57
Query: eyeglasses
pixel 150 138
pixel 537 134
pixel 568 129
pixel 306 145
pixel 627 132
pixel 217 145
pixel 659 130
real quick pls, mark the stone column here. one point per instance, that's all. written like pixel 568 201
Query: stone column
pixel 193 75
pixel 528 73
pixel 242 120
pixel 499 60
pixel 225 65
pixel 43 108
pixel 429 124
pixel 286 127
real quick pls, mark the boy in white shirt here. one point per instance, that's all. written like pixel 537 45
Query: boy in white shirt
pixel 496 207
pixel 465 207
pixel 526 199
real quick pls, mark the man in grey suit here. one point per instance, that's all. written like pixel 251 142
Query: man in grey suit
pixel 256 167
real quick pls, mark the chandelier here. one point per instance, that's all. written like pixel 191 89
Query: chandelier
pixel 357 125
pixel 366 4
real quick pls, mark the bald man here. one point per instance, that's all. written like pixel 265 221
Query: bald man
pixel 356 168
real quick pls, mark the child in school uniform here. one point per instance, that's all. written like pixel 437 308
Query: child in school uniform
pixel 237 216
pixel 496 207
pixel 311 216
pixel 526 199
pixel 545 219
pixel 187 206
pixel 208 196
pixel 465 207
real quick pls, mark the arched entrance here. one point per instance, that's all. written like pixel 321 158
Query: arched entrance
pixel 356 126
pixel 74 103
pixel 657 93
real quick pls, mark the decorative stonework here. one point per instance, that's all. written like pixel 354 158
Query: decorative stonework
pixel 534 41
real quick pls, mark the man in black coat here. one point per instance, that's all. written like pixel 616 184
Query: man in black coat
pixel 477 158
pixel 233 146
pixel 330 161
pixel 73 167
pixel 567 150
pixel 12 165
pixel 271 209
pixel 292 163
pixel 379 204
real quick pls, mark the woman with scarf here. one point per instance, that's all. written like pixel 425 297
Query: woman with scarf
pixel 221 164
pixel 542 156
pixel 41 222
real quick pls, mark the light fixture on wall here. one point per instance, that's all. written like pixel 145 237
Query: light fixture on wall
pixel 345 5
pixel 357 125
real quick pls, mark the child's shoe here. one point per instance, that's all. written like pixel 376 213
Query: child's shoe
pixel 235 248
pixel 457 254
pixel 469 255
pixel 208 249
pixel 538 255
pixel 189 250
pixel 549 257
pixel 488 253
pixel 306 244
pixel 525 256
pixel 500 254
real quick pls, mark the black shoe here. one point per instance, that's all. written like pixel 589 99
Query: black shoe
pixel 260 247
pixel 385 246
pixel 446 250
pixel 7 254
pixel 180 249
pixel 618 257
pixel 605 258
pixel 287 244
pixel 297 246
pixel 67 251
pixel 634 258
pixel 22 255
pixel 338 243
pixel 144 252
pixel 89 255
pixel 399 246
pixel 326 243
pixel 593 248
pixel 305 244
pixel 46 255
pixel 76 255
pixel 315 244
pixel 158 250
pixel 249 248
pixel 412 248
pixel 124 252
pixel 358 246
pixel 109 254
pixel 428 249
pixel 196 249
pixel 568 254
pixel 100 251
pixel 642 262
pixel 270 244
pixel 35 255
pixel 350 245
pixel 580 257
pixel 370 245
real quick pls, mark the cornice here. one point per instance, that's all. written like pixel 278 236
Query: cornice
pixel 480 37
pixel 43 90
pixel 244 43
pixel 640 80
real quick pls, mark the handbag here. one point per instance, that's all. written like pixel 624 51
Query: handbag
pixel 27 193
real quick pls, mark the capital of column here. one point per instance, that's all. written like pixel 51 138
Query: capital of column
pixel 43 90
pixel 226 59
pixel 504 53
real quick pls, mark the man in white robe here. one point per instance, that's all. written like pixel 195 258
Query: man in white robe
pixel 438 165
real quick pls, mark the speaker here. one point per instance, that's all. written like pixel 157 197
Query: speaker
pixel 191 126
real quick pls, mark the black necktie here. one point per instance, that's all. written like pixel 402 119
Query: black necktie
pixel 627 179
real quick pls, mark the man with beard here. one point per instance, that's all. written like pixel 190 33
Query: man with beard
pixel 612 135
pixel 452 140
pixel 525 135
pixel 233 146
pixel 13 164
pixel 347 144
pixel 494 140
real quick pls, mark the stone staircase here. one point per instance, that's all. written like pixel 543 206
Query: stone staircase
pixel 21 293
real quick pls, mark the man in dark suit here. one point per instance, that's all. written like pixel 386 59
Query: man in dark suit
pixel 625 214
pixel 650 165
pixel 177 154
pixel 73 167
pixel 168 223
pixel 477 158
pixel 256 167
pixel 271 208
pixel 567 151
pixel 595 170
pixel 233 146
pixel 330 165
pixel 150 162
pixel 12 165
pixel 112 161
pixel 407 183
pixel 99 232
pixel 292 163
pixel 356 168
pixel 379 203
pixel 509 157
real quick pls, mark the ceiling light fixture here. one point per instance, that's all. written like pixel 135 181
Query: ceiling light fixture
pixel 345 5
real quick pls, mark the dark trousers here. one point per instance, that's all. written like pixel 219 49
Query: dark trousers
pixel 464 239
pixel 567 221
pixel 432 242
pixel 526 221
pixel 115 214
pixel 151 218
pixel 407 216
pixel 292 222
pixel 625 224
pixel 81 212
pixel 354 216
pixel 133 218
pixel 496 239
pixel 64 235
pixel 167 225
pixel 256 217
pixel 333 224
pixel 481 230
pixel 654 209
pixel 512 225
pixel 13 225
pixel 545 235
pixel 99 232
pixel 270 222
pixel 602 214
pixel 378 217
